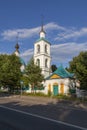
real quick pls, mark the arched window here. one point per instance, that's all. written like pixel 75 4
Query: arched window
pixel 46 62
pixel 38 48
pixel 38 62
pixel 45 48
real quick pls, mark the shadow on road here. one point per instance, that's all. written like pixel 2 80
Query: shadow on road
pixel 58 110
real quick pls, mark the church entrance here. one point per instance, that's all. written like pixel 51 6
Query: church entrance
pixel 55 89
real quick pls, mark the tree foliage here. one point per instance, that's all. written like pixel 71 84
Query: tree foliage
pixel 10 73
pixel 78 65
pixel 53 68
pixel 33 74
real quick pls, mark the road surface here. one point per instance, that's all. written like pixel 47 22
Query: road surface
pixel 31 114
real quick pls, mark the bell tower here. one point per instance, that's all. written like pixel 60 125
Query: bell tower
pixel 42 56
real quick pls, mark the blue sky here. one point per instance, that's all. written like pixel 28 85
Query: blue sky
pixel 65 23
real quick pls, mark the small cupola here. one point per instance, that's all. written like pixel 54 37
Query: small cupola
pixel 42 32
pixel 17 49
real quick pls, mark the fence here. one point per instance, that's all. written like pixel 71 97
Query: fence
pixel 81 94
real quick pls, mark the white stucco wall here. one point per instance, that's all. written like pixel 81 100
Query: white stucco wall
pixel 43 56
pixel 64 81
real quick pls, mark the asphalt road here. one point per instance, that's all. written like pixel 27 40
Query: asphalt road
pixel 16 120
pixel 36 113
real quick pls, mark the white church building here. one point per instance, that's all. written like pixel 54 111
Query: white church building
pixel 58 82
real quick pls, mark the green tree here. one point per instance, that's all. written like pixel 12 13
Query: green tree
pixel 53 67
pixel 78 65
pixel 33 74
pixel 10 73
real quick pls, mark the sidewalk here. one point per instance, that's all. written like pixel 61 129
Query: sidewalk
pixel 55 101
pixel 37 100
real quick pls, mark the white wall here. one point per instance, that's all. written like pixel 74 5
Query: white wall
pixel 65 81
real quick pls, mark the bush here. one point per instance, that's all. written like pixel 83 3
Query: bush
pixel 49 93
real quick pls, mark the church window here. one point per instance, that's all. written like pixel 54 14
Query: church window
pixel 46 61
pixel 38 62
pixel 45 48
pixel 38 48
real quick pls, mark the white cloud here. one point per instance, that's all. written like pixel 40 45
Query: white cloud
pixel 62 33
pixel 27 55
pixel 28 33
pixel 71 33
pixel 22 33
pixel 61 53
pixel 53 26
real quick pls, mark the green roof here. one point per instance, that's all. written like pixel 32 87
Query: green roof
pixel 40 39
pixel 62 72
pixel 22 61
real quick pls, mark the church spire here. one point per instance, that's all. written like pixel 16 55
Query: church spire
pixel 42 32
pixel 17 47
